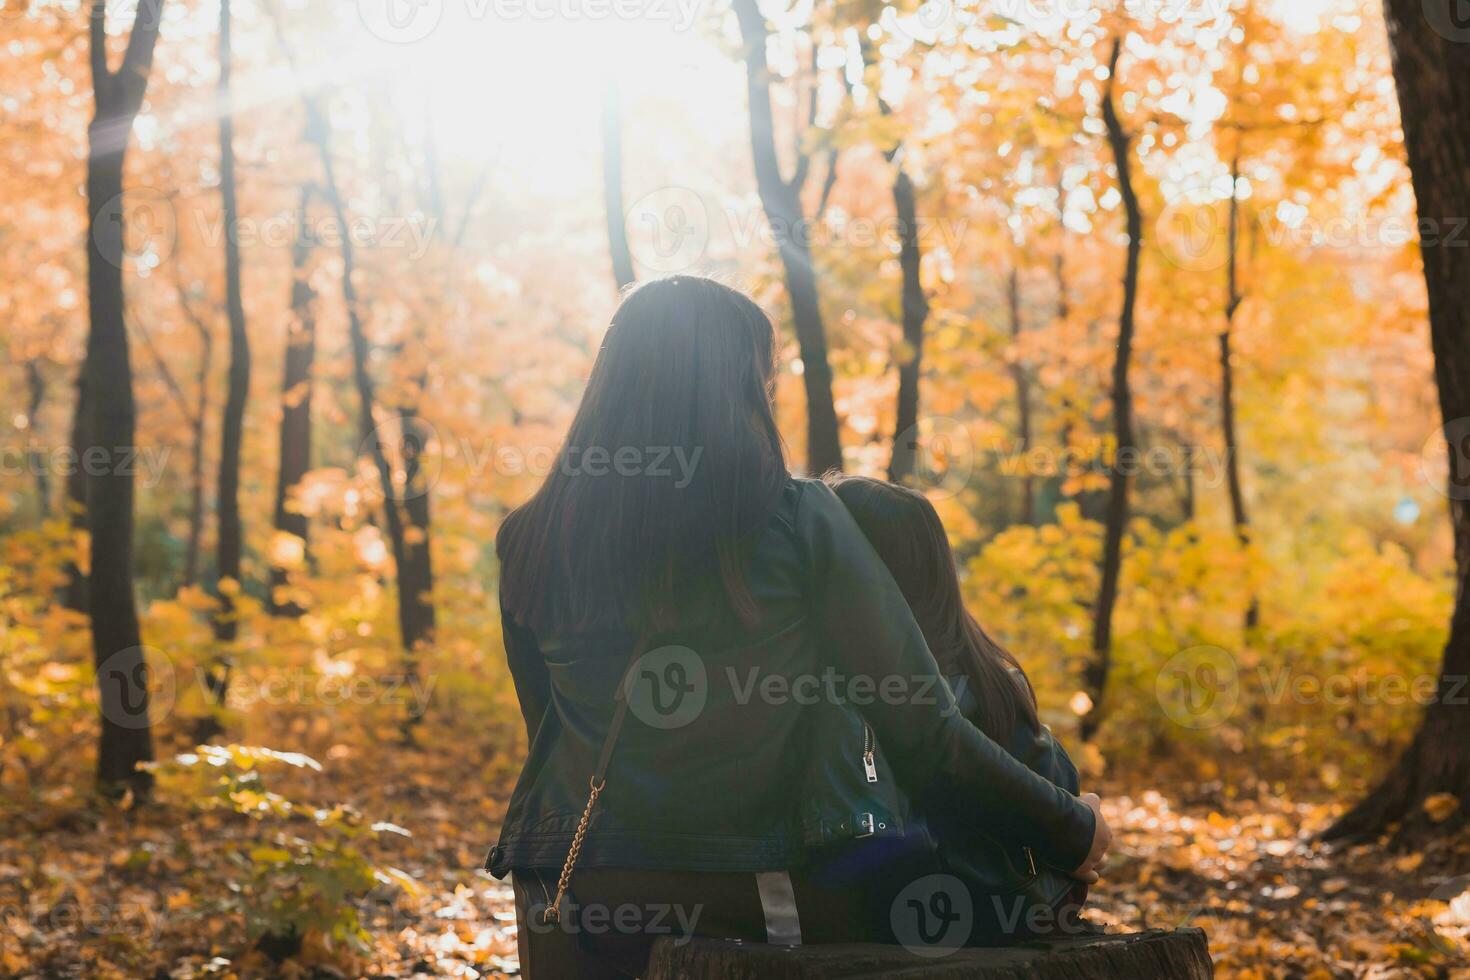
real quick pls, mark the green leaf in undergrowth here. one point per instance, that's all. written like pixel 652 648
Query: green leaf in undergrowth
pixel 303 882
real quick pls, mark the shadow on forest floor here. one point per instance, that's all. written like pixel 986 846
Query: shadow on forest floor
pixel 135 894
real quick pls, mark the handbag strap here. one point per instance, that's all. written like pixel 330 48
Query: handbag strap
pixel 595 785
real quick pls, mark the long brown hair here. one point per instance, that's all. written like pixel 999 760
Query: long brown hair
pixel 906 531
pixel 689 465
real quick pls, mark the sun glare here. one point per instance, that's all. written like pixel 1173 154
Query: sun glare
pixel 520 82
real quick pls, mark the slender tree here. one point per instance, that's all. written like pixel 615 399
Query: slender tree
pixel 1116 520
pixel 75 594
pixel 194 413
pixel 781 199
pixel 1233 298
pixel 296 394
pixel 229 543
pixel 1063 314
pixel 914 305
pixel 1432 72
pixel 122 672
pixel 915 312
pixel 36 397
pixel 403 507
pixel 1022 381
pixel 612 187
pixel 198 417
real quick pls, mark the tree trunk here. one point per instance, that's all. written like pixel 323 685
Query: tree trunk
pixel 411 558
pixel 1023 398
pixel 414 557
pixel 915 313
pixel 1116 519
pixel 612 187
pixel 1233 299
pixel 1179 955
pixel 232 429
pixel 1433 77
pixel 1064 313
pixel 75 596
pixel 296 393
pixel 36 391
pixel 125 738
pixel 194 545
pixel 781 199
pixel 913 303
pixel 1189 503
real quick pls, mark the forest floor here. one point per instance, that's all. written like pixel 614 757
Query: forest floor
pixel 137 893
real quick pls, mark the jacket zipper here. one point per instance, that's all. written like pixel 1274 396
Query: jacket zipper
pixel 870 768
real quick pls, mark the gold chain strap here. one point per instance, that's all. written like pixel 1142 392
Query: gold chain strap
pixel 552 912
pixel 595 784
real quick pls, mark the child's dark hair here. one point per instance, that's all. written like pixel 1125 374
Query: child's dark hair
pixel 905 530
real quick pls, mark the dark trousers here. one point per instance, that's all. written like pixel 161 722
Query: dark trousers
pixel 611 917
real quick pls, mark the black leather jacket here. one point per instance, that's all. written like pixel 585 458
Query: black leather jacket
pixel 992 867
pixel 734 784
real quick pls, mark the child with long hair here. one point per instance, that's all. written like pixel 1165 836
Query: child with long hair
pixel 1013 895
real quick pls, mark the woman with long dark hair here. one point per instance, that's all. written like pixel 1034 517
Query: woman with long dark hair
pixel 705 649
pixel 992 691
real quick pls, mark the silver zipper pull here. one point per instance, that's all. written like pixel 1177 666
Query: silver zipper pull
pixel 1030 859
pixel 869 767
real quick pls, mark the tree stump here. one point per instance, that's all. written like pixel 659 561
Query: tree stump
pixel 1178 955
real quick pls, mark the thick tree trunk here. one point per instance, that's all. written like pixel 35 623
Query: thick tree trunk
pixel 612 188
pixel 1116 519
pixel 39 464
pixel 117 644
pixel 75 595
pixel 125 737
pixel 1023 398
pixel 781 199
pixel 1179 955
pixel 1432 72
pixel 1233 299
pixel 296 393
pixel 232 430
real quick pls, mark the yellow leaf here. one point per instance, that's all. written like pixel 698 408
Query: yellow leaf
pixel 1440 806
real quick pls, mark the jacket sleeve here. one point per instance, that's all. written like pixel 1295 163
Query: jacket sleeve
pixel 527 670
pixel 884 667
